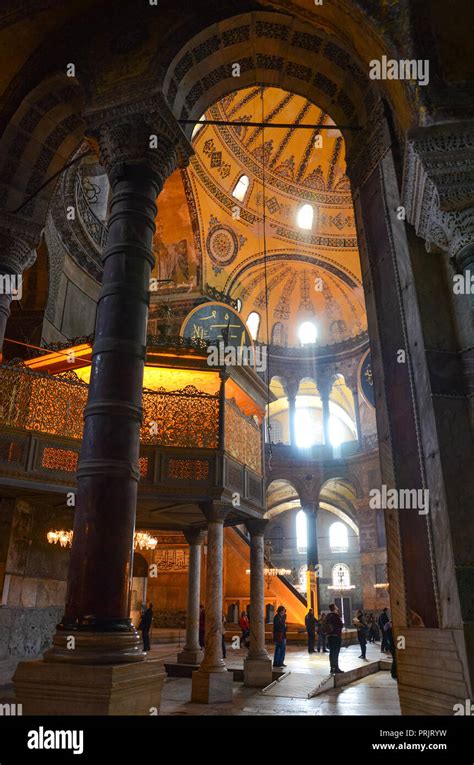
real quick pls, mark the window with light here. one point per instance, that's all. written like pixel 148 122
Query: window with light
pixel 253 323
pixel 338 539
pixel 307 333
pixel 241 188
pixel 341 575
pixel 304 217
pixel 197 127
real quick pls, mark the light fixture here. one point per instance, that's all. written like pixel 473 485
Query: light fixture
pixel 382 586
pixel 63 537
pixel 141 540
pixel 270 573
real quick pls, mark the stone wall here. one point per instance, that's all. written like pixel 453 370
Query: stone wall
pixel 33 586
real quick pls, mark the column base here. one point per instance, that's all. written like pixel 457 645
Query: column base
pixel 258 673
pixel 50 688
pixel 190 657
pixel 81 647
pixel 212 687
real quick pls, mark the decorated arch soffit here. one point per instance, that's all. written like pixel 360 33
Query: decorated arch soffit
pixel 310 274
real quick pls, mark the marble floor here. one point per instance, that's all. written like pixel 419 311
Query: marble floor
pixel 375 694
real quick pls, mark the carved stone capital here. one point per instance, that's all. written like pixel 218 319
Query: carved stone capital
pixel 144 133
pixel 194 536
pixel 18 241
pixel 215 512
pixel 438 187
pixel 256 526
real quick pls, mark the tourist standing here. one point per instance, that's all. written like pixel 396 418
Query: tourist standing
pixel 279 637
pixel 334 625
pixel 322 633
pixel 310 623
pixel 244 625
pixel 382 621
pixel 144 626
pixel 362 630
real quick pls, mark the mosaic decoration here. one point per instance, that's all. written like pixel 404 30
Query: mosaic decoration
pixel 366 380
pixel 222 245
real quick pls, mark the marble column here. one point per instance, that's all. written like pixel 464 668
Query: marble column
pixel 312 559
pixel 355 396
pixel 192 652
pixel 326 417
pixel 100 569
pixel 96 651
pixel 292 418
pixel 212 683
pixel 257 665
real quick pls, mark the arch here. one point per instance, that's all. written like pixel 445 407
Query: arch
pixel 282 495
pixel 341 575
pixel 316 65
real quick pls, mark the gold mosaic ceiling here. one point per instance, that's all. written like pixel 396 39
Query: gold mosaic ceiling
pixel 311 274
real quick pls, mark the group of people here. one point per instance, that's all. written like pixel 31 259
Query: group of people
pixel 328 629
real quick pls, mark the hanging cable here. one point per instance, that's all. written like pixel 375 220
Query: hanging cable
pixel 264 221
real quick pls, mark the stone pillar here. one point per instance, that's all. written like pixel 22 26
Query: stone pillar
pixel 18 240
pixel 326 416
pixel 312 559
pixel 292 419
pixel 97 613
pixel 355 396
pixel 192 653
pixel 212 683
pixel 257 665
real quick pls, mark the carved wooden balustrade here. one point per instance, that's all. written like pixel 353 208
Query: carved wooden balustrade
pixel 41 424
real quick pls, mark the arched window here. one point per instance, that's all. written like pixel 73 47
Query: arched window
pixel 198 126
pixel 305 428
pixel 241 188
pixel 336 431
pixel 338 539
pixel 253 323
pixel 239 305
pixel 341 576
pixel 301 532
pixel 278 337
pixel 307 333
pixel 304 217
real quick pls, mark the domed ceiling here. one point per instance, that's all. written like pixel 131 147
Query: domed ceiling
pixel 310 274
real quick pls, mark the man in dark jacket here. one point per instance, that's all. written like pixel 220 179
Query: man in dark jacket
pixel 334 626
pixel 279 637
pixel 310 623
pixel 145 625
pixel 382 621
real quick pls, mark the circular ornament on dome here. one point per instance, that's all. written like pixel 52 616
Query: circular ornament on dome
pixel 222 245
pixel 366 380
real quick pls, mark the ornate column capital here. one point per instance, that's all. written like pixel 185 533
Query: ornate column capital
pixel 19 239
pixel 256 526
pixel 194 536
pixel 438 188
pixel 144 133
pixel 214 512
